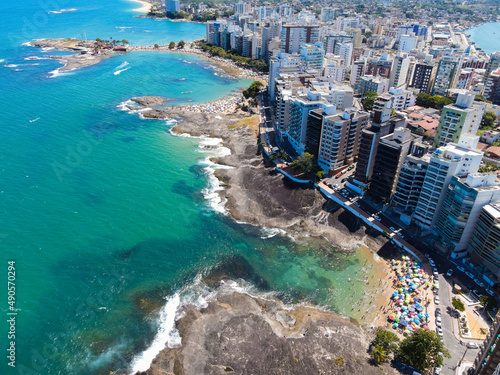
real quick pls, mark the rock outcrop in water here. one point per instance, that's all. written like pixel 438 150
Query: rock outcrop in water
pixel 240 334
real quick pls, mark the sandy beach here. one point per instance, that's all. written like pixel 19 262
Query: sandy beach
pixel 145 8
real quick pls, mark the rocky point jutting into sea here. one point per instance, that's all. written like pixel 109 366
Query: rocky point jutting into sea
pixel 249 334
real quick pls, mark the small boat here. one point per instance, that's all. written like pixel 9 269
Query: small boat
pixel 38 118
pixel 186 92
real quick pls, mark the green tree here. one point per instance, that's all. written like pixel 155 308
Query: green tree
pixel 457 304
pixel 304 163
pixel 253 90
pixel 387 340
pixel 422 350
pixel 487 302
pixel 488 167
pixel 282 154
pixel 171 45
pixel 181 44
pixel 124 41
pixel 378 354
pixel 488 120
pixel 369 100
pixel 368 34
pixel 156 46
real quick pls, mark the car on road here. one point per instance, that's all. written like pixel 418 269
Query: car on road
pixel 338 175
pixel 437 370
pixel 427 256
pixel 435 273
pixel 460 268
pixel 400 235
pixel 450 272
pixel 438 321
pixel 351 167
pixel 438 311
pixel 378 218
pixel 472 345
pixel 356 204
pixel 431 262
pixel 392 228
pixel 436 300
pixel 490 292
pixel 343 180
pixel 439 331
pixel 470 275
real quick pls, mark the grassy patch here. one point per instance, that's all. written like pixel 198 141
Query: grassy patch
pixel 252 122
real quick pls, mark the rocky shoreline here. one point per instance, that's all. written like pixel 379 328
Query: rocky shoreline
pixel 71 62
pixel 242 334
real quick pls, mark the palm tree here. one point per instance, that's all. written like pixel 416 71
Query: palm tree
pixel 379 354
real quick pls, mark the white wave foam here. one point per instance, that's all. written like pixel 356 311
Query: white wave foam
pixel 2 60
pixel 47 49
pixel 167 335
pixel 54 73
pixel 35 58
pixel 11 66
pixel 119 71
pixel 271 232
pixel 28 44
pixel 123 27
pixel 121 66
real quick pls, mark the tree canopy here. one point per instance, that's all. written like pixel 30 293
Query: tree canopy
pixel 253 90
pixel 488 120
pixel 436 101
pixel 171 45
pixel 422 350
pixel 369 100
pixel 387 340
pixel 304 163
pixel 181 44
pixel 457 304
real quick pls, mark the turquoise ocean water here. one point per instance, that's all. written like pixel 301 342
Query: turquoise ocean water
pixel 486 36
pixel 108 216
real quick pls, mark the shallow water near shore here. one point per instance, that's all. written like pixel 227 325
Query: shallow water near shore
pixel 104 213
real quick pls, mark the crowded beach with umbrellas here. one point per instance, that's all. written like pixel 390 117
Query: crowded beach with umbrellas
pixel 408 303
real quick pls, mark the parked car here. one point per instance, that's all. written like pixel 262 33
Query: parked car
pixel 435 273
pixel 438 321
pixel 436 300
pixel 437 370
pixel 479 283
pixel 356 204
pixel 427 256
pixel 440 332
pixel 490 292
pixel 460 268
pixel 400 235
pixel 470 275
pixel 438 311
pixel 343 180
pixel 392 228
pixel 378 218
pixel 431 262
pixel 450 272
pixel 351 167
pixel 472 345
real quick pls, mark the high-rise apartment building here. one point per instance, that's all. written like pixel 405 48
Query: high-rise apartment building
pixel 391 153
pixel 423 77
pixel 314 56
pixel 465 196
pixel 327 15
pixel 340 139
pixel 447 74
pixel 446 162
pixel 492 88
pixel 463 117
pixel 294 36
pixel 399 70
pixel 172 5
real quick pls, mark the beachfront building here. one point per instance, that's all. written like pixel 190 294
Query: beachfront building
pixel 487 361
pixel 463 117
pixel 281 63
pixel 242 8
pixel 300 106
pixel 446 162
pixel 172 6
pixel 446 75
pixel 392 150
pixel 461 207
pixel 340 139
pixel 294 36
pixel 492 88
pixel 315 122
pixel 423 77
pixel 410 182
pixel 484 246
